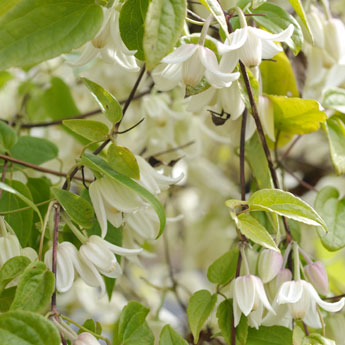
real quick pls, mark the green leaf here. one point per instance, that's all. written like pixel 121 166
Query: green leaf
pixel 276 20
pixel 297 6
pixel 257 161
pixel 278 77
pixel 224 268
pixel 109 105
pixel 122 160
pixel 163 26
pixel 225 322
pixel 296 115
pixel 76 207
pixel 276 335
pixel 35 288
pixel 27 328
pixel 253 230
pixel 216 9
pixel 8 137
pixel 133 329
pixel 6 298
pixel 285 204
pixel 334 98
pixel 92 326
pixel 332 210
pixel 199 308
pixel 98 164
pixel 335 130
pixel 11 269
pixel 15 197
pixel 5 77
pixel 34 150
pixel 131 24
pixel 89 129
pixel 32 32
pixel 170 337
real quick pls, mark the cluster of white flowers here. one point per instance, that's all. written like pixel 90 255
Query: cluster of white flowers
pixel 284 298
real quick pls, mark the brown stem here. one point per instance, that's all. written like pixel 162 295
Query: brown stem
pixel 54 253
pixel 242 155
pixel 286 153
pixel 3 176
pixel 37 167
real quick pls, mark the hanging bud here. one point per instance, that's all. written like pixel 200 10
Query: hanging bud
pixel 317 275
pixel 86 339
pixel 270 263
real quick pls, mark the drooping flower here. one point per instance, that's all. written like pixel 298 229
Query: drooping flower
pixel 100 253
pixel 298 299
pixel 189 63
pixel 108 45
pixel 251 45
pixel 249 298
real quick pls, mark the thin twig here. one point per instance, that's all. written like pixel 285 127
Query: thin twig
pixel 174 149
pixel 286 153
pixel 37 167
pixel 242 155
pixel 132 127
pixel 3 175
pixel 54 253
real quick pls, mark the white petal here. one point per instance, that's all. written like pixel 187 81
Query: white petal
pixel 98 205
pixel 166 77
pixel 231 100
pixel 266 115
pixel 86 339
pixel 202 99
pixel 251 52
pixel 259 288
pixel 29 253
pixel 213 74
pixel 270 49
pixel 89 53
pixel 244 292
pixel 192 69
pixel 229 61
pixel 143 223
pixel 238 38
pixel 290 292
pixel 181 54
pixel 64 269
pixel 280 37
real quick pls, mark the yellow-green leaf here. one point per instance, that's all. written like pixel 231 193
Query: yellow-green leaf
pixel 89 129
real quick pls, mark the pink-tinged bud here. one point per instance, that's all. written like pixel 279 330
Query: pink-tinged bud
pixel 86 339
pixel 270 263
pixel 317 275
pixel 274 285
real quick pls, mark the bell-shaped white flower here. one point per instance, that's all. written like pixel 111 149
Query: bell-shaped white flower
pixel 108 45
pixel 193 61
pixel 269 265
pixel 298 299
pixel 249 298
pixel 100 253
pixel 109 198
pixel 85 338
pixel 251 45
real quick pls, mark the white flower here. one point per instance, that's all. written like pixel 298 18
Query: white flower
pixel 298 299
pixel 86 339
pixel 334 40
pixel 251 45
pixel 108 45
pixel 192 62
pixel 249 298
pixel 109 198
pixel 100 254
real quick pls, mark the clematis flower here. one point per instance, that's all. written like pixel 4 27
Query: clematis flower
pixel 251 45
pixel 86 338
pixel 298 299
pixel 190 62
pixel 108 45
pixel 99 253
pixel 249 298
pixel 334 40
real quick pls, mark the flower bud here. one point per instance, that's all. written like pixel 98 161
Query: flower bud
pixel 270 263
pixel 334 39
pixel 86 339
pixel 317 275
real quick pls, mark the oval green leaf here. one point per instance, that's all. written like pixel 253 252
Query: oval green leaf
pixel 285 204
pixel 170 337
pixel 8 137
pixel 34 32
pixel 332 210
pixel 98 164
pixel 34 150
pixel 79 209
pixel 122 160
pixel 109 105
pixel 163 27
pixel 199 308
pixel 89 129
pixel 27 328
